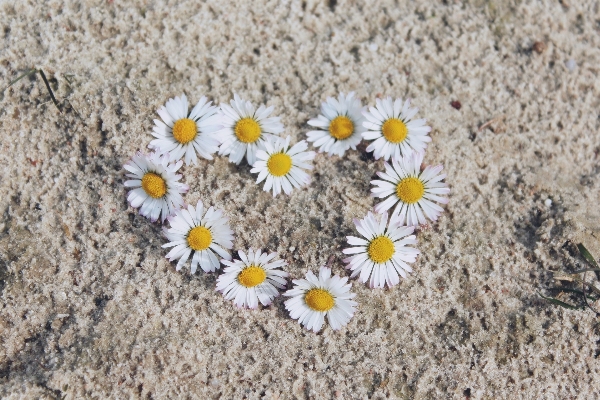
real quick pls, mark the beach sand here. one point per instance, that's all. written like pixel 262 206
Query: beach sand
pixel 92 309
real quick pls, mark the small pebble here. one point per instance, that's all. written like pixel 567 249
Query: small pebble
pixel 373 47
pixel 456 104
pixel 571 64
pixel 548 203
pixel 539 47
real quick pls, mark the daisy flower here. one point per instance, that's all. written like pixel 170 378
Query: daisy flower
pixel 282 166
pixel 395 133
pixel 252 279
pixel 383 254
pixel 415 192
pixel 340 123
pixel 183 134
pixel 245 129
pixel 155 185
pixel 199 234
pixel 314 298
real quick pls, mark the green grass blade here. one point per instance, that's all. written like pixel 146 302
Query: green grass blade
pixel 586 254
pixel 559 303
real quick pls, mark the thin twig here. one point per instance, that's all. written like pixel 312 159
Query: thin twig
pixel 491 121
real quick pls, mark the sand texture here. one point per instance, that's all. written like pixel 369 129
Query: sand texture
pixel 92 309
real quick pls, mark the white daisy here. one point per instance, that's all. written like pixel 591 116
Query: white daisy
pixel 314 298
pixel 182 134
pixel 282 167
pixel 395 133
pixel 245 129
pixel 252 278
pixel 156 186
pixel 383 254
pixel 415 192
pixel 202 233
pixel 341 123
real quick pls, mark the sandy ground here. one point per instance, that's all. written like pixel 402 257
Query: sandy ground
pixel 90 306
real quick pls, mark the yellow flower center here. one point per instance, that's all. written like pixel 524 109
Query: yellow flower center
pixel 410 190
pixel 381 249
pixel 154 185
pixel 319 300
pixel 279 164
pixel 394 130
pixel 341 127
pixel 247 130
pixel 252 276
pixel 199 238
pixel 184 130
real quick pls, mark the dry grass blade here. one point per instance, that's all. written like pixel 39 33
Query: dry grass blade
pixel 50 90
pixel 68 80
pixel 31 71
pixel 491 121
pixel 586 270
pixel 568 278
pixel 585 297
pixel 574 277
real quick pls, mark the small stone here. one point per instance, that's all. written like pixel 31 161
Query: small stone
pixel 548 203
pixel 571 64
pixel 539 47
pixel 456 104
pixel 373 47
